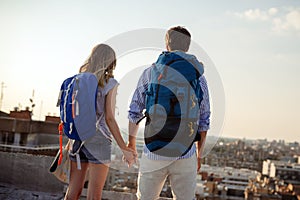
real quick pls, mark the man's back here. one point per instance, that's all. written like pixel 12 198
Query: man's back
pixel 154 168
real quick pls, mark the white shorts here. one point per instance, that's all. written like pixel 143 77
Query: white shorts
pixel 153 173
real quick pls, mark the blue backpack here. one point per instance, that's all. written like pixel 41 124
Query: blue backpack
pixel 77 102
pixel 172 104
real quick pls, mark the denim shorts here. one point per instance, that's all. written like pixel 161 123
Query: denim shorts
pixel 94 150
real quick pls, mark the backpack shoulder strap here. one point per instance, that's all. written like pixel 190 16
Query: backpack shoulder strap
pixel 76 153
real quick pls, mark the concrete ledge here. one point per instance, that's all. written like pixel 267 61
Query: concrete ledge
pixel 111 195
pixel 25 176
pixel 29 172
pixel 12 192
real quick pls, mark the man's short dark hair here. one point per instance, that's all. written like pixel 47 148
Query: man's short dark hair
pixel 178 38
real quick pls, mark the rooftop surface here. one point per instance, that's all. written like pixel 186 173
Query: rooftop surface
pixel 10 192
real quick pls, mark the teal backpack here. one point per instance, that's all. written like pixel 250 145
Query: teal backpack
pixel 172 104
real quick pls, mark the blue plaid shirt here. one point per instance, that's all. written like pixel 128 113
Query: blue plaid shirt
pixel 137 106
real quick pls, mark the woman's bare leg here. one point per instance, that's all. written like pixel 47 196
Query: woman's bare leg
pixel 97 178
pixel 77 178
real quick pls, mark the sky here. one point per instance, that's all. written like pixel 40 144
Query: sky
pixel 253 45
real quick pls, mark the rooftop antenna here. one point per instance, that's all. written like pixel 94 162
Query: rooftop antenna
pixel 32 102
pixel 1 97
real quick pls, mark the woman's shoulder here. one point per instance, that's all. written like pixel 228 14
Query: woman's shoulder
pixel 111 83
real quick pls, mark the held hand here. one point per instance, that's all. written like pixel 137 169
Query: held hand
pixel 129 156
pixel 131 146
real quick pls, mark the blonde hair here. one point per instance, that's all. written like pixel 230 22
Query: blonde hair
pixel 101 62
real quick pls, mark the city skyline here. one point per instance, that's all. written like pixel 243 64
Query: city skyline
pixel 254 46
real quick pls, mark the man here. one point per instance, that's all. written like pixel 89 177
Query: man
pixel 155 168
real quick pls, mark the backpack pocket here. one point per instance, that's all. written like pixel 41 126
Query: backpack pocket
pixel 170 136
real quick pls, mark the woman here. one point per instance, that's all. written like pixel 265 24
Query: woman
pixel 95 154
